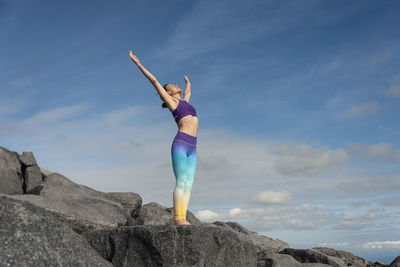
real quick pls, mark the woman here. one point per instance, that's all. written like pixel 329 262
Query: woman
pixel 183 150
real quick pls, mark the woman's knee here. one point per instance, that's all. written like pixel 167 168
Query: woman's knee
pixel 184 184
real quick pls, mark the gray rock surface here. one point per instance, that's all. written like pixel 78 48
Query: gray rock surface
pixel 11 178
pixel 168 245
pixel 131 202
pixel 313 256
pixel 79 204
pixel 284 260
pixel 28 159
pixel 348 258
pixel 262 243
pixel 395 262
pixel 32 236
pixel 33 177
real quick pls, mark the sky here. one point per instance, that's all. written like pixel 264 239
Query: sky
pixel 297 101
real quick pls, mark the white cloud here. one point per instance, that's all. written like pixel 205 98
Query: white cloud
pixel 56 114
pixel 393 90
pixel 381 244
pixel 350 216
pixel 371 214
pixel 207 215
pixel 379 59
pixel 394 87
pixel 307 207
pixel 361 203
pixel 302 159
pixel 361 110
pixel 352 225
pixel 300 224
pixel 273 197
pixel 337 244
pixel 380 151
pixel 117 116
pixel 371 184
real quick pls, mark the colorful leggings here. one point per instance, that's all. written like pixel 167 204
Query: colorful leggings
pixel 184 159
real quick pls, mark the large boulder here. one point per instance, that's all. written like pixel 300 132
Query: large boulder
pixel 11 177
pixel 31 171
pixel 80 205
pixel 348 258
pixel 313 256
pixel 32 236
pixel 262 243
pixel 169 245
pixel 395 262
pixel 284 260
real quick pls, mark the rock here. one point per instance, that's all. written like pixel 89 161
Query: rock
pixel 11 178
pixel 27 159
pixel 313 256
pixel 348 258
pixel 262 243
pixel 45 172
pixel 284 260
pixel 79 205
pixel 155 214
pixel 130 202
pixel 33 177
pixel 395 262
pixel 168 245
pixel 277 260
pixel 32 236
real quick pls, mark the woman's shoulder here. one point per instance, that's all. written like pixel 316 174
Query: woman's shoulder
pixel 172 104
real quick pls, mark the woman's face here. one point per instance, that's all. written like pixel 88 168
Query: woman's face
pixel 173 89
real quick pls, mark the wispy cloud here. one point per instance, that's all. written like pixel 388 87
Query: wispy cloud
pixel 371 184
pixel 56 114
pixel 301 159
pixel 273 197
pixel 379 151
pixel 394 87
pixel 361 110
pixel 381 244
pixel 212 25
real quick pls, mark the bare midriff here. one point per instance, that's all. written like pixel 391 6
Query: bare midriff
pixel 188 125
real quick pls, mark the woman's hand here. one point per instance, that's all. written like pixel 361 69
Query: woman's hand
pixel 187 80
pixel 134 58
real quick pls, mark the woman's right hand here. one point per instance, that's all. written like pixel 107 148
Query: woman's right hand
pixel 133 57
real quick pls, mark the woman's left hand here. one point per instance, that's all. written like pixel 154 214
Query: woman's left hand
pixel 187 79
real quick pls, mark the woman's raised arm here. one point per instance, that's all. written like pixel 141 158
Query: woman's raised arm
pixel 161 91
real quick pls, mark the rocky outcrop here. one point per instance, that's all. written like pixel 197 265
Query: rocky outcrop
pixel 48 220
pixel 395 262
pixel 11 178
pixel 32 236
pixel 78 203
pixel 169 245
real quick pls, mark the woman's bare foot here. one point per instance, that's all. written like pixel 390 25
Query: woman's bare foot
pixel 182 222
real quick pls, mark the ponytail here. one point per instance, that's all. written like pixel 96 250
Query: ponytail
pixel 164 105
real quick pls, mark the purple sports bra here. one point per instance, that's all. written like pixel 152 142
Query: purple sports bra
pixel 183 109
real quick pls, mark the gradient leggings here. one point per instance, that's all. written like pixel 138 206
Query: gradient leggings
pixel 184 159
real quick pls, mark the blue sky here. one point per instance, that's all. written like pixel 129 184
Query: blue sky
pixel 298 105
